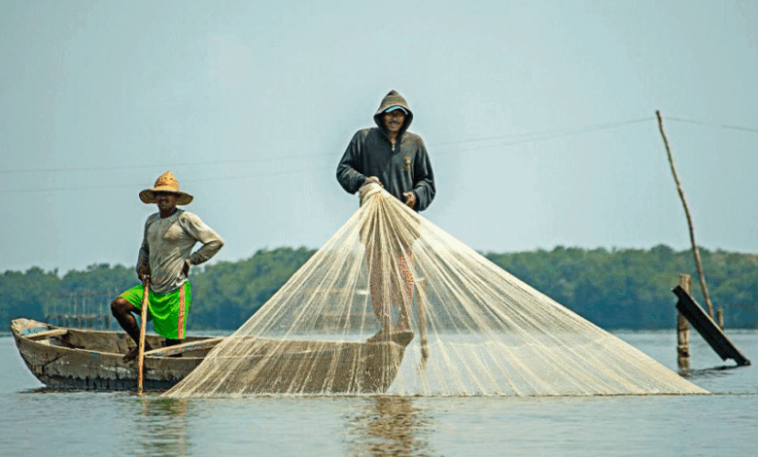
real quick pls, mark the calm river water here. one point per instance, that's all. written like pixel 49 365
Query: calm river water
pixel 35 422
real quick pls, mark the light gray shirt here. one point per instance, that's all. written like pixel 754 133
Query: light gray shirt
pixel 167 246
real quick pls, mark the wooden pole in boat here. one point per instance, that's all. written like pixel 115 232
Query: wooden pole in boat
pixel 683 330
pixel 142 328
pixel 695 251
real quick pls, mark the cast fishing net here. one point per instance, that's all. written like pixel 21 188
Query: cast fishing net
pixel 393 304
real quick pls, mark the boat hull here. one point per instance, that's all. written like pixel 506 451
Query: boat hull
pixel 92 360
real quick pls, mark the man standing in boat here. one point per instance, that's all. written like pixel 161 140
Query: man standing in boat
pixel 391 156
pixel 166 257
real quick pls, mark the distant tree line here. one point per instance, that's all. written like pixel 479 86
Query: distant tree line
pixel 631 288
pixel 616 289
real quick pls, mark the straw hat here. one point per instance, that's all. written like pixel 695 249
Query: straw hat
pixel 165 183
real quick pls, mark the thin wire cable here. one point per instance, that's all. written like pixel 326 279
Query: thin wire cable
pixel 535 136
pixel 518 139
pixel 131 186
pixel 548 137
pixel 530 137
pixel 722 126
pixel 549 134
pixel 186 164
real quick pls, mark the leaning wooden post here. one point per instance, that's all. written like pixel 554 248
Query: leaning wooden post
pixel 683 330
pixel 695 251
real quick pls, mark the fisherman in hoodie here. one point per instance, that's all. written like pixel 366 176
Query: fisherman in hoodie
pixel 396 159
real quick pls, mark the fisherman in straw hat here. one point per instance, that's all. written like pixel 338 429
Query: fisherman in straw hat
pixel 390 156
pixel 166 256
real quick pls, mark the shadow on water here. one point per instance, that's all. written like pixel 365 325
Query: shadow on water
pixel 724 379
pixel 390 425
pixel 707 373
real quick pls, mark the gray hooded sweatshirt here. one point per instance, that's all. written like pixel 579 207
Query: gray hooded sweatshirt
pixel 404 167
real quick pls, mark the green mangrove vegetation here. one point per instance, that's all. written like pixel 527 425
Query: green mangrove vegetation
pixel 615 289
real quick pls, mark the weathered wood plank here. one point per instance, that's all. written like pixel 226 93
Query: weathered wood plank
pixel 48 334
pixel 184 347
pixel 707 328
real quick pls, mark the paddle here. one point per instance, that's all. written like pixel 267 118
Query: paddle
pixel 143 326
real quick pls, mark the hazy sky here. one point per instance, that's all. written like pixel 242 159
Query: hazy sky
pixel 539 117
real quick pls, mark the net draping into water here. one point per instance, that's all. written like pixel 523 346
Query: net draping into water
pixel 393 304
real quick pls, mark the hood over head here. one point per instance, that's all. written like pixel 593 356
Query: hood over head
pixel 393 98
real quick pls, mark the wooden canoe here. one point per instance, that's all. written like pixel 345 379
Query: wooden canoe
pixel 67 358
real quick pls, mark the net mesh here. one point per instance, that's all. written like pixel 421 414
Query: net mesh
pixel 393 304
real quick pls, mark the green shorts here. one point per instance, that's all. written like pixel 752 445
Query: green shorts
pixel 167 311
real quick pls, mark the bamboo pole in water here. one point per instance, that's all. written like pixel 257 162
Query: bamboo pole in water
pixel 695 252
pixel 683 330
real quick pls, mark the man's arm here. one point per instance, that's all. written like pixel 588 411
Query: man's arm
pixel 423 179
pixel 349 178
pixel 212 242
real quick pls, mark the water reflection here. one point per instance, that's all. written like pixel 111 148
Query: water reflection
pixel 160 428
pixel 390 426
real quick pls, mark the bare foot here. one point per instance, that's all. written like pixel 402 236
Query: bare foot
pixel 131 355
